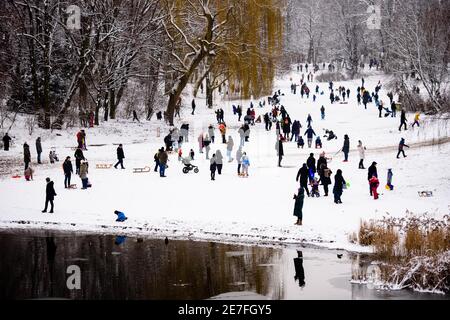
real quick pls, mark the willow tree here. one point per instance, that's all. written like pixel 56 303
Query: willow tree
pixel 239 33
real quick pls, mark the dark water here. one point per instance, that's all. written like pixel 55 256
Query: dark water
pixel 33 265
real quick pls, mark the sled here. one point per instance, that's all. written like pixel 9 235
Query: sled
pixel 425 194
pixel 141 170
pixel 103 166
pixel 73 186
pixel 343 102
pixel 16 176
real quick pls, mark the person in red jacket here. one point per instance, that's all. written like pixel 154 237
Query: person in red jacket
pixel 374 183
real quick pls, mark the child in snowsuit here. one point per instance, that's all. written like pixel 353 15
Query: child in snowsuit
pixel 300 142
pixel 374 183
pixel 120 216
pixel 318 143
pixel 28 173
pixel 389 185
pixel 245 164
pixel 315 188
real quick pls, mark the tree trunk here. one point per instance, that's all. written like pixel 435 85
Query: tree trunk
pixel 209 92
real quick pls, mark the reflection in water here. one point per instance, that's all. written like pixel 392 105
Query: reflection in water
pixel 299 271
pixel 33 264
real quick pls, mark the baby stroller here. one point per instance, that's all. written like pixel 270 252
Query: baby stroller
pixel 188 166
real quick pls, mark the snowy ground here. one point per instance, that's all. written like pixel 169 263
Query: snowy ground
pixel 254 210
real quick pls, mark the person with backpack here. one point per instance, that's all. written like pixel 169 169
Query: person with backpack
pixel 401 148
pixel 38 149
pixel 68 170
pixel 49 195
pixel 338 188
pixel 120 156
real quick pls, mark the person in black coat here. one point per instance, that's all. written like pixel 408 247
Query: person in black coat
pixel 38 149
pixel 402 121
pixel 26 155
pixel 49 195
pixel 280 151
pixel 193 106
pixel 311 164
pixel 302 175
pixel 78 157
pixel 68 170
pixel 325 178
pixel 372 172
pixel 338 188
pixel 346 147
pixel 120 157
pixel 6 141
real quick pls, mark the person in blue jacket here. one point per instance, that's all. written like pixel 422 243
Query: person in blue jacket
pixel 120 216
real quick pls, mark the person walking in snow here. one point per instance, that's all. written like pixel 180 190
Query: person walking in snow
pixel 230 145
pixel 403 121
pixel 325 178
pixel 120 156
pixel 311 164
pixel 219 161
pixel 26 155
pixel 362 154
pixel 68 170
pixel 338 188
pixel 201 143
pixel 193 106
pixel 223 131
pixel 191 154
pixel 239 112
pixel 401 147
pixel 373 184
pixel 309 120
pixel 346 147
pixel 309 133
pixel 322 113
pixel 241 132
pixel 49 195
pixel 207 143
pixel 211 132
pixel 245 164
pixel 371 173
pixel 163 157
pixel 239 160
pixel 296 130
pixel 213 167
pixel 6 141
pixel 302 176
pixel 298 207
pixel 78 157
pixel 280 151
pixel 416 119
pixel 38 149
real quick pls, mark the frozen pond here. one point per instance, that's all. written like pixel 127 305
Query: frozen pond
pixel 33 265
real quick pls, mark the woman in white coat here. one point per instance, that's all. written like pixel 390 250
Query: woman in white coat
pixel 362 154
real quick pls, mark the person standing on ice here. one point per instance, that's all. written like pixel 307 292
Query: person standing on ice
pixel 39 149
pixel 211 132
pixel 213 167
pixel 280 151
pixel 298 207
pixel 362 154
pixel 26 155
pixel 373 184
pixel 338 188
pixel 372 172
pixel 322 112
pixel 302 176
pixel 49 195
pixel 120 156
pixel 403 121
pixel 309 133
pixel 207 143
pixel 68 170
pixel 346 147
pixel 230 146
pixel 239 160
pixel 401 148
